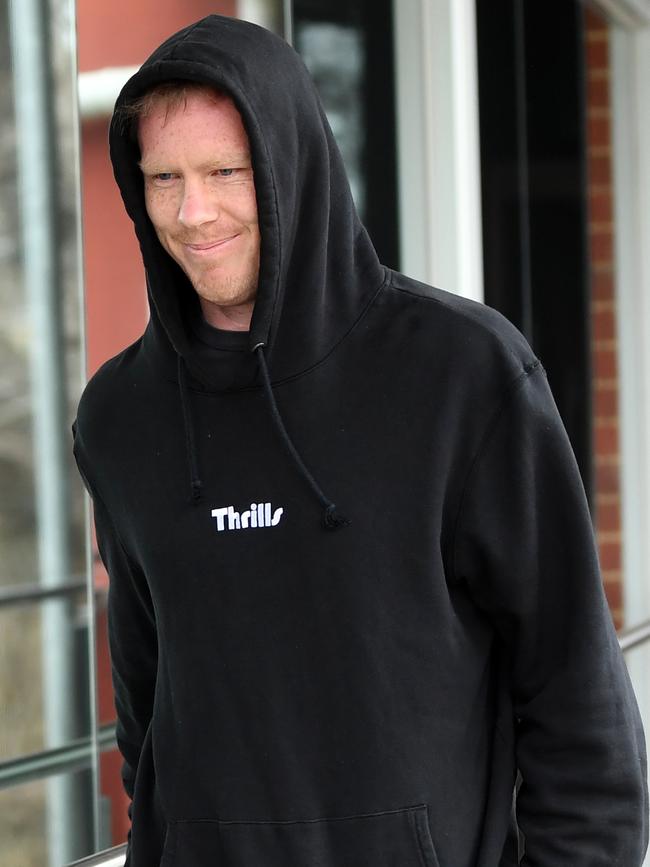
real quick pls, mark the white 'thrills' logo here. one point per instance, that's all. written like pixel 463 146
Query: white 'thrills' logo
pixel 259 515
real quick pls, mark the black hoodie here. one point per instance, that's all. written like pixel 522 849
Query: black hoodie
pixel 295 696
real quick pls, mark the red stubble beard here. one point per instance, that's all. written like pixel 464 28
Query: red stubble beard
pixel 229 281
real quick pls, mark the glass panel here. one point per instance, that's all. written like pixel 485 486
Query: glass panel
pixel 348 49
pixel 39 332
pixel 42 531
pixel 18 559
pixel 35 822
pixel 334 53
pixel 45 677
pixel 26 657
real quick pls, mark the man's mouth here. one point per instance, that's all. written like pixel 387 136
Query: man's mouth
pixel 208 246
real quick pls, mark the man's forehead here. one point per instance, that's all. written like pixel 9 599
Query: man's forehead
pixel 193 116
pixel 165 105
pixel 166 99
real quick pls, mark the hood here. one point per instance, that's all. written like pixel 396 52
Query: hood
pixel 318 268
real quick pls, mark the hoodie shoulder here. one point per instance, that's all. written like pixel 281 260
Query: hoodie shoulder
pixel 480 338
pixel 104 396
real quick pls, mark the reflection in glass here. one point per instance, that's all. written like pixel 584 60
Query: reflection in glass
pixel 335 57
pixel 348 50
pixel 45 695
pixel 23 721
pixel 23 821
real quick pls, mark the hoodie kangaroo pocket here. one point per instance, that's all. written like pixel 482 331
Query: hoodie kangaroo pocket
pixel 398 838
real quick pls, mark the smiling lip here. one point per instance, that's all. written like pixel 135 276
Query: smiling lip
pixel 208 246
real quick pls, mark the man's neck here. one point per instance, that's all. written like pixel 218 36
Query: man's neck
pixel 235 318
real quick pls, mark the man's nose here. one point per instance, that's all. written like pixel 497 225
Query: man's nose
pixel 198 205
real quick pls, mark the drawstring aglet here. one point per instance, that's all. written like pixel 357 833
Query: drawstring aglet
pixel 332 519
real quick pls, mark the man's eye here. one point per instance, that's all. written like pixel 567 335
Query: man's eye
pixel 164 176
pixel 225 173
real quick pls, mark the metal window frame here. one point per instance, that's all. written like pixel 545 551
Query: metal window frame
pixel 26 594
pixel 74 756
pixel 114 857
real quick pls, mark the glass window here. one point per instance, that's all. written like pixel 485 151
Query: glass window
pixel 46 708
pixel 31 820
pixel 348 50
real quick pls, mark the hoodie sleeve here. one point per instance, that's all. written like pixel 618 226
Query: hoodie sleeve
pixel 524 546
pixel 132 636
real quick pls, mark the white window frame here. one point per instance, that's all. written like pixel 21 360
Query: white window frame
pixel 630 77
pixel 438 143
pixel 274 15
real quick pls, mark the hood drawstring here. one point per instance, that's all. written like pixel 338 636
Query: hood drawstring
pixel 332 519
pixel 195 481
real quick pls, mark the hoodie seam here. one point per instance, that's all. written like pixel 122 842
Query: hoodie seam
pixel 465 317
pixel 395 812
pixel 509 394
pixel 307 370
pixel 96 497
pixel 343 337
pixel 172 54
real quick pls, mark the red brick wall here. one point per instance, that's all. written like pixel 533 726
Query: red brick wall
pixel 604 340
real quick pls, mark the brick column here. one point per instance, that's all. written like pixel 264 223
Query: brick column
pixel 603 297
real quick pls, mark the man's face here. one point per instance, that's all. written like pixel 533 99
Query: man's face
pixel 200 197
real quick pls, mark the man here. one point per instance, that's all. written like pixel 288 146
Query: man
pixel 359 690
